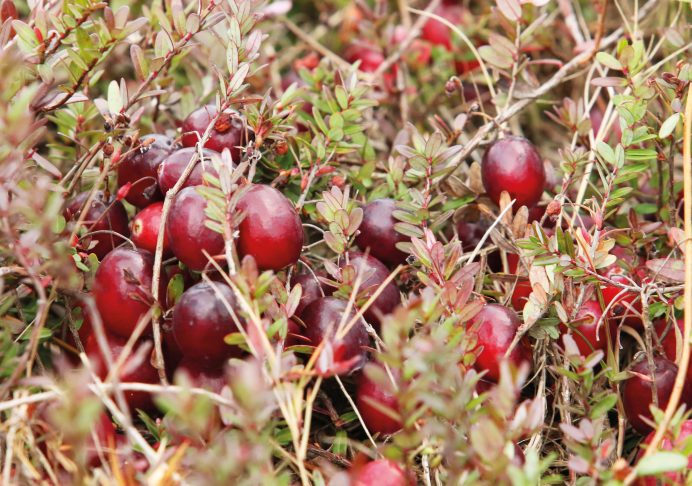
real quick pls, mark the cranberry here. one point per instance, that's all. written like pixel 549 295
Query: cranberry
pixel 271 230
pixel 312 290
pixel 230 130
pixel 438 33
pixel 133 370
pixel 294 334
pixel 139 169
pixel 174 165
pixel 322 318
pixel 381 472
pixel 204 376
pixel 596 116
pixel 669 341
pixel 628 304
pixel 637 391
pixel 372 399
pixel 668 444
pixel 377 232
pixel 122 289
pixel 187 233
pixel 201 321
pixel 588 335
pixel 370 57
pixel 171 351
pixel 513 164
pixel 522 291
pixel 102 215
pixel 145 229
pixel 496 328
pixel 470 233
pixel 373 273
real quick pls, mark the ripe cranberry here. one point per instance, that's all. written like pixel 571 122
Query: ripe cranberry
pixel 470 233
pixel 438 33
pixel 522 291
pixel 187 233
pixel 312 290
pixel 201 321
pixel 171 351
pixel 496 327
pixel 670 443
pixel 230 130
pixel 370 57
pixel 377 232
pixel 102 215
pixel 174 165
pixel 637 391
pixel 588 335
pixel 628 304
pixel 271 230
pixel 139 169
pixel 381 472
pixel 321 319
pixel 669 341
pixel 294 334
pixel 372 274
pixel 371 399
pixel 513 164
pixel 145 229
pixel 133 370
pixel 203 375
pixel 122 289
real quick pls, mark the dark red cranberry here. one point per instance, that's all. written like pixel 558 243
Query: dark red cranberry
pixel 637 391
pixel 122 289
pixel 312 290
pixel 377 232
pixel 106 436
pixel 670 443
pixel 381 472
pixel 588 335
pixel 522 291
pixel 187 233
pixel 370 57
pixel 470 233
pixel 201 321
pixel 133 370
pixel 102 215
pixel 628 304
pixel 496 328
pixel 438 33
pixel 514 165
pixel 372 274
pixel 140 169
pixel 271 230
pixel 372 399
pixel 294 334
pixel 145 229
pixel 670 337
pixel 230 130
pixel 202 375
pixel 174 165
pixel 322 319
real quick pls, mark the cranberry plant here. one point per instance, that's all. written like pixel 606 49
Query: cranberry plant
pixel 345 242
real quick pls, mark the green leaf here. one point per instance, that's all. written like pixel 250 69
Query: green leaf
pixel 669 125
pixel 609 61
pixel 115 100
pixel 603 405
pixel 606 152
pixel 661 462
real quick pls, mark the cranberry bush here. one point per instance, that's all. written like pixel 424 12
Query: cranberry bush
pixel 345 242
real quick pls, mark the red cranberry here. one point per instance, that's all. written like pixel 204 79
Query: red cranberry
pixel 145 229
pixel 370 57
pixel 171 351
pixel 669 444
pixel 669 341
pixel 588 335
pixel 522 291
pixel 322 318
pixel 139 169
pixel 294 334
pixel 371 399
pixel 122 289
pixel 107 439
pixel 637 391
pixel 271 230
pixel 377 232
pixel 187 233
pixel 497 327
pixel 513 164
pixel 102 215
pixel 230 130
pixel 312 290
pixel 438 33
pixel 628 304
pixel 132 370
pixel 470 233
pixel 203 375
pixel 173 166
pixel 381 472
pixel 372 274
pixel 201 321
